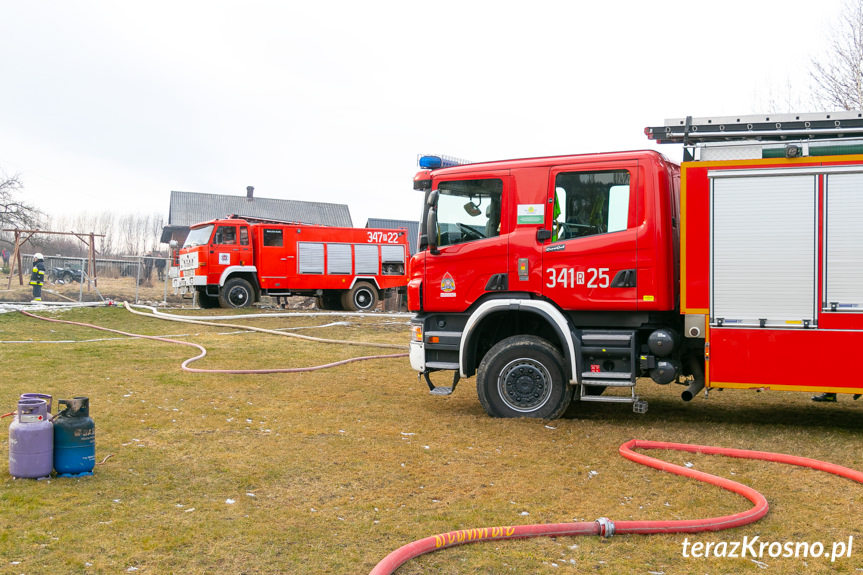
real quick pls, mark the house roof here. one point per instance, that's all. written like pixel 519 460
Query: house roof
pixel 413 229
pixel 189 208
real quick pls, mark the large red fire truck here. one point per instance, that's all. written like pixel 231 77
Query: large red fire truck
pixel 234 261
pixel 561 278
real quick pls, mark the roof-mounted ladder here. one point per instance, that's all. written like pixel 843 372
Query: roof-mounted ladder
pixel 766 127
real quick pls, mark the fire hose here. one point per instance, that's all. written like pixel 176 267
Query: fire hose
pixel 203 351
pixel 606 527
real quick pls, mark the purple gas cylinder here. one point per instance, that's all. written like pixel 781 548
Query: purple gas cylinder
pixel 31 440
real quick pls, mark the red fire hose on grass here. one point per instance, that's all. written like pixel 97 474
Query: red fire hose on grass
pixel 606 528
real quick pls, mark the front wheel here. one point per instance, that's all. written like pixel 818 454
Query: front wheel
pixel 523 376
pixel 236 293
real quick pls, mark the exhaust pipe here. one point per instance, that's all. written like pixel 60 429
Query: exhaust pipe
pixel 697 384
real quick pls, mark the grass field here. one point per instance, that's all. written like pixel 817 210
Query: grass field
pixel 329 471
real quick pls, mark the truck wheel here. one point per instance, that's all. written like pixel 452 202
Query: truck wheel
pixel 236 293
pixel 523 376
pixel 330 301
pixel 362 297
pixel 207 301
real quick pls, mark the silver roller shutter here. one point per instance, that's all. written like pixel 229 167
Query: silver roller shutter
pixel 763 249
pixel 311 257
pixel 843 243
pixel 366 259
pixel 339 259
pixel 393 254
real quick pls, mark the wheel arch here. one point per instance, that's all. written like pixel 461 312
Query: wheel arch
pixel 483 330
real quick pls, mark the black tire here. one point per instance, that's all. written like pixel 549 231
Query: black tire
pixel 207 301
pixel 237 293
pixel 362 297
pixel 523 376
pixel 330 301
pixel 67 277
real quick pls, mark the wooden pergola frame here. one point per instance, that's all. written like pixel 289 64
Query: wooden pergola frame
pixel 19 241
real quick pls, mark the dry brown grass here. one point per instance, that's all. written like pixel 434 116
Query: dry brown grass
pixel 117 289
pixel 332 470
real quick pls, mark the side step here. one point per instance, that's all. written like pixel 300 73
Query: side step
pixel 441 390
pixel 610 357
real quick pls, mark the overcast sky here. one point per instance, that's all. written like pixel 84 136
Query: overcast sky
pixel 110 105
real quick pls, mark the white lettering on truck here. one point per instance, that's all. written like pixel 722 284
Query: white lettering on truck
pixel 569 278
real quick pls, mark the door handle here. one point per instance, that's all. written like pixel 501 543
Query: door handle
pixel 624 279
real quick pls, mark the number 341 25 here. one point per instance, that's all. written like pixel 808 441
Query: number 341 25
pixel 569 278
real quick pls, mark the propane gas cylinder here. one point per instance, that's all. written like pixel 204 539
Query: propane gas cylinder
pixel 44 396
pixel 74 437
pixel 31 440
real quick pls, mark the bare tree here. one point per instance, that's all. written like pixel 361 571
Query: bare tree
pixel 838 78
pixel 14 213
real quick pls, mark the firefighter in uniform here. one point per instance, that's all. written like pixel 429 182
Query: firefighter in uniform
pixel 37 276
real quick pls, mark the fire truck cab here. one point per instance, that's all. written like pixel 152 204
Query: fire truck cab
pixel 571 277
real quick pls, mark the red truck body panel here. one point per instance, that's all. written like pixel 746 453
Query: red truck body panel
pixel 782 357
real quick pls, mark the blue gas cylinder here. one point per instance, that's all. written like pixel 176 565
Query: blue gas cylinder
pixel 74 438
pixel 31 440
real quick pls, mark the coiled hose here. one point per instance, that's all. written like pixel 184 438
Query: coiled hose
pixel 606 528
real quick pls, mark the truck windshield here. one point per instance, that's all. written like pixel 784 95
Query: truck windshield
pixel 468 210
pixel 199 236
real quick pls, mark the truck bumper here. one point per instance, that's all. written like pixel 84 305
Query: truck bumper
pixel 188 283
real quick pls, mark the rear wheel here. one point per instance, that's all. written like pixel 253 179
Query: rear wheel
pixel 523 376
pixel 236 293
pixel 362 297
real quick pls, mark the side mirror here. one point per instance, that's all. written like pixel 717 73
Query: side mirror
pixel 431 200
pixel 431 231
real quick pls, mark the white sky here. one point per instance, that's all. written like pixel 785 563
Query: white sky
pixel 110 105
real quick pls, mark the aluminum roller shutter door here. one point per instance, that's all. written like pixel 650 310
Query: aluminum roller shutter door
pixel 393 254
pixel 843 242
pixel 763 250
pixel 311 258
pixel 366 259
pixel 339 259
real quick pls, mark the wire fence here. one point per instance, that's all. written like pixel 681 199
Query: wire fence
pixel 136 278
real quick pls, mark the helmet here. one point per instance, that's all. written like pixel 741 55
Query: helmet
pixel 38 256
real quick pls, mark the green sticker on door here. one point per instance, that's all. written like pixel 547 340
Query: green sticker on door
pixel 530 213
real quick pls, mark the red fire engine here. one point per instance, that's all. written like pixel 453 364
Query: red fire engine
pixel 234 261
pixel 561 278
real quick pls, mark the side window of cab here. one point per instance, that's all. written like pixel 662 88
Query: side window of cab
pixel 590 203
pixel 468 210
pixel 226 235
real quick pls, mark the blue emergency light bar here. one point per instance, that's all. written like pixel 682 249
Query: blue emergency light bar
pixel 439 161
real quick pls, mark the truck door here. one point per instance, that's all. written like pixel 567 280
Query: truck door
pixel 591 261
pixel 471 245
pixel 272 259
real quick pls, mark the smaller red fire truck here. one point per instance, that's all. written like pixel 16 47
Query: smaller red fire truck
pixel 234 261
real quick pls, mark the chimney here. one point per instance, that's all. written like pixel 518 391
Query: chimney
pixel 250 190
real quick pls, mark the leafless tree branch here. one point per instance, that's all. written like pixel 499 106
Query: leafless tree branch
pixel 838 77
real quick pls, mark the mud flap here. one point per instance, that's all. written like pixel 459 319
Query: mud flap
pixel 440 390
